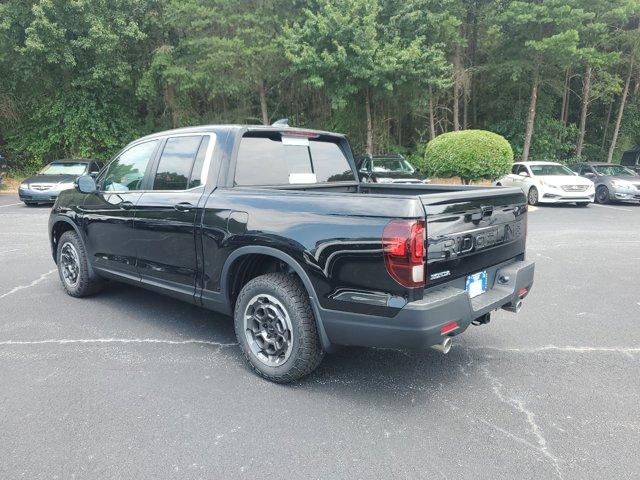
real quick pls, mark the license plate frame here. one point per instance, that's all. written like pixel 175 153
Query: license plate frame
pixel 476 284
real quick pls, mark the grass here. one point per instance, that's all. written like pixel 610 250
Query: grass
pixel 10 184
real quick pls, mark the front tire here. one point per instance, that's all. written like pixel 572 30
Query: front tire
pixel 73 266
pixel 602 194
pixel 532 196
pixel 276 328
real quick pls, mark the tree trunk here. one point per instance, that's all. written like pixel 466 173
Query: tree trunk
pixel 432 119
pixel 456 89
pixel 367 106
pixel 606 125
pixel 565 98
pixel 170 103
pixel 263 103
pixel 586 91
pixel 531 118
pixel 623 100
pixel 473 48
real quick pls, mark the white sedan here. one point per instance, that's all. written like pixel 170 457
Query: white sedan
pixel 549 182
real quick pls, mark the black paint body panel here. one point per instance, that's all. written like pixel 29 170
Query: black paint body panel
pixel 330 235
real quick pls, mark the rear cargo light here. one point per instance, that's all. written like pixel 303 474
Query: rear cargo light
pixel 403 243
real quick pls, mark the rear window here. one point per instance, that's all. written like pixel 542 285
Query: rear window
pixel 274 161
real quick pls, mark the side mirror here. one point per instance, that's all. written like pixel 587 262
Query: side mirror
pixel 589 175
pixel 86 184
pixel 523 174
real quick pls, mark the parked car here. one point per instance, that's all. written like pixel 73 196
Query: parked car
pixel 46 185
pixel 549 182
pixel 613 182
pixel 387 169
pixel 631 159
pixel 271 225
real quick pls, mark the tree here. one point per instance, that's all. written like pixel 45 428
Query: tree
pixel 468 154
pixel 537 40
pixel 344 46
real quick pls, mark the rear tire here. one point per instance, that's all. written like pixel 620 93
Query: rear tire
pixel 602 194
pixel 276 328
pixel 532 196
pixel 73 266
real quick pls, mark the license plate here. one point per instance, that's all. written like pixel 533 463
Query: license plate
pixel 477 284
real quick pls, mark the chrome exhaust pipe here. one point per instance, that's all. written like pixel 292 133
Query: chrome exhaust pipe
pixel 443 347
pixel 513 308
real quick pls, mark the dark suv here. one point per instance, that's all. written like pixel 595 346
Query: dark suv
pixel 389 168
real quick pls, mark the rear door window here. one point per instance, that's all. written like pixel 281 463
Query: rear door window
pixel 176 163
pixel 268 160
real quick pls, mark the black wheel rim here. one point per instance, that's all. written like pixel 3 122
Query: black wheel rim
pixel 602 195
pixel 268 330
pixel 70 264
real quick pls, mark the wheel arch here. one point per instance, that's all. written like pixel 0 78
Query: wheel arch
pixel 60 226
pixel 229 282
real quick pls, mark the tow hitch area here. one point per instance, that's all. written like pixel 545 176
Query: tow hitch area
pixel 483 320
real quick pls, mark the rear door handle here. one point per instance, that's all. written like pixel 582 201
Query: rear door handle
pixel 183 206
pixel 127 205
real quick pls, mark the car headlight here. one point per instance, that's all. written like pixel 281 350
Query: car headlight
pixel 384 180
pixel 24 186
pixel 546 184
pixel 621 184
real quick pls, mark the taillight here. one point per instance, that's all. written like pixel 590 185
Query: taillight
pixel 403 243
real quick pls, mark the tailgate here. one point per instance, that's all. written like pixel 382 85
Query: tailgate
pixel 471 230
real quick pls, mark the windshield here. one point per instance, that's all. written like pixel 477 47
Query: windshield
pixel 550 170
pixel 64 168
pixel 614 170
pixel 392 165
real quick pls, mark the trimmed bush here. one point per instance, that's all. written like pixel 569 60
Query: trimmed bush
pixel 468 154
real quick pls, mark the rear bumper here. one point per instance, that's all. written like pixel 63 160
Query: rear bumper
pixel 417 325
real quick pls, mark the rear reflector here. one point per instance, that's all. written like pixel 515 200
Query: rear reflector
pixel 403 243
pixel 522 292
pixel 448 328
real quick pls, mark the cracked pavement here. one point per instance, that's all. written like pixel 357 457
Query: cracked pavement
pixel 136 385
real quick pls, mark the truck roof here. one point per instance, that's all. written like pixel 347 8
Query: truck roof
pixel 235 127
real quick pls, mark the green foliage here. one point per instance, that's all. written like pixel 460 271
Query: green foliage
pixel 84 77
pixel 468 154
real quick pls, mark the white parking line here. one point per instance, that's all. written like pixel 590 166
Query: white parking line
pixel 32 284
pixel 615 208
pixel 65 341
pixel 10 205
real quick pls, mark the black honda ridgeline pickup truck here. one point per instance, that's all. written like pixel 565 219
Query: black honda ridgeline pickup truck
pixel 271 226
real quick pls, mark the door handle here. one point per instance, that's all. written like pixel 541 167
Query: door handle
pixel 183 206
pixel 127 205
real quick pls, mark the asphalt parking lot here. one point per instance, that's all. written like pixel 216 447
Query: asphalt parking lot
pixel 131 384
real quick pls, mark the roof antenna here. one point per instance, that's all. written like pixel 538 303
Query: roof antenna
pixel 283 122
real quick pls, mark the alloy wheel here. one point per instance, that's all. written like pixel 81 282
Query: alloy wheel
pixel 70 264
pixel 268 330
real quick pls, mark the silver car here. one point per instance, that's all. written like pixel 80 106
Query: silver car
pixel 613 182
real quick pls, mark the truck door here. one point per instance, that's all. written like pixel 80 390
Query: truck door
pixel 166 214
pixel 108 213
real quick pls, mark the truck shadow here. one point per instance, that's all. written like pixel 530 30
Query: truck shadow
pixel 365 375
